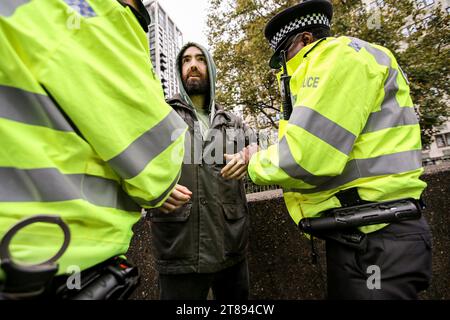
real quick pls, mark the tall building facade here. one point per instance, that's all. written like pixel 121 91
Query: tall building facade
pixel 427 6
pixel 439 150
pixel 165 40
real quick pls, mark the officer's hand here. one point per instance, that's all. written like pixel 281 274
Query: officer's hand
pixel 180 195
pixel 238 163
pixel 236 167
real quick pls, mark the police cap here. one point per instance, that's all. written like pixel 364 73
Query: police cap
pixel 303 16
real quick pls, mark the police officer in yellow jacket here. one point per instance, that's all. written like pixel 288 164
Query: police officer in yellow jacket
pixel 353 138
pixel 85 132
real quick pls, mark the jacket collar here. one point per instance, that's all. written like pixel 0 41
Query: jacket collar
pixel 178 101
pixel 297 60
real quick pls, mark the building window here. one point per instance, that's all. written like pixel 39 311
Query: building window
pixel 152 13
pixel 426 21
pixel 424 3
pixel 373 5
pixel 443 141
pixel 162 19
pixel 412 29
pixel 440 141
pixel 405 32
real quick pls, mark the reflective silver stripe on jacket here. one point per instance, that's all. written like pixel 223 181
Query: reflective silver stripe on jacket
pixel 31 108
pixel 288 164
pixel 50 185
pixel 364 168
pixel 323 128
pixel 8 7
pixel 148 146
pixel 391 113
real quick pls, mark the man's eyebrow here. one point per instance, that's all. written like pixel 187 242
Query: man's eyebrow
pixel 190 55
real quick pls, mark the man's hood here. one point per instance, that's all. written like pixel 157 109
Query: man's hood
pixel 211 72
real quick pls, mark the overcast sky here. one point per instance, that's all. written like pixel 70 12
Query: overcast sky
pixel 190 17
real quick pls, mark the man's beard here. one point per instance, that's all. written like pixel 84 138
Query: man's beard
pixel 196 86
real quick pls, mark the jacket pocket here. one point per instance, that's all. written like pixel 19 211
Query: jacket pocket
pixel 178 215
pixel 235 229
pixel 231 192
pixel 172 235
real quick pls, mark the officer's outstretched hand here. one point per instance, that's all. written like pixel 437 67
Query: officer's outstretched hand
pixel 236 167
pixel 179 196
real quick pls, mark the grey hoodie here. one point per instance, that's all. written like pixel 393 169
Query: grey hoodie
pixel 212 72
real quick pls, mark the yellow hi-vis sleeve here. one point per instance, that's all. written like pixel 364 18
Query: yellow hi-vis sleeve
pixel 117 104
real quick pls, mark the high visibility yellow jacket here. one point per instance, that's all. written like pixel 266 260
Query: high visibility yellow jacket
pixel 85 132
pixel 353 125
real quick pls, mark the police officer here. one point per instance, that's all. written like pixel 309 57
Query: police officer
pixel 352 138
pixel 85 132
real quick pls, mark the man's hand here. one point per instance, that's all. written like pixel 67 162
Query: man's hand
pixel 179 196
pixel 238 163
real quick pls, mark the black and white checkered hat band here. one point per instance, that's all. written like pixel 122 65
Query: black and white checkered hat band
pixel 308 20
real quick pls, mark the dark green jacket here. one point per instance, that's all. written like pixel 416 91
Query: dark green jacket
pixel 210 232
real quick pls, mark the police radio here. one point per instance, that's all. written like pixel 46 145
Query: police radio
pixel 285 89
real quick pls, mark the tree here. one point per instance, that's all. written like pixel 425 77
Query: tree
pixel 242 53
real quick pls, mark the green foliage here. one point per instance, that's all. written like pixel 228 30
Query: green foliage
pixel 242 53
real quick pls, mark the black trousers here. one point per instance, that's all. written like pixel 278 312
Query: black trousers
pixel 229 284
pixel 396 264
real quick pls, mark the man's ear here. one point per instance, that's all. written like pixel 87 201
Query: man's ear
pixel 307 38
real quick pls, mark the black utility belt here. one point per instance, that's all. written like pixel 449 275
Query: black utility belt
pixel 341 224
pixel 363 215
pixel 114 279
